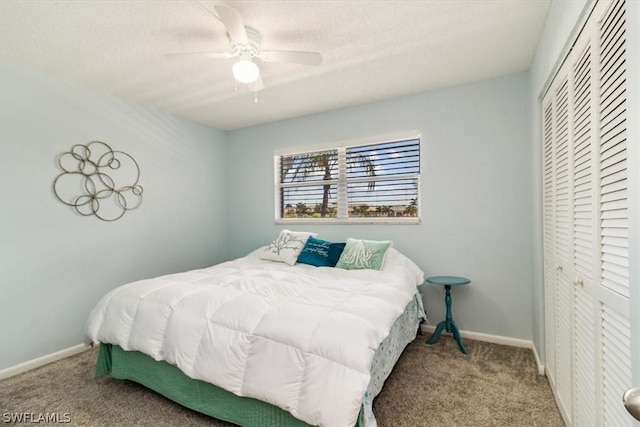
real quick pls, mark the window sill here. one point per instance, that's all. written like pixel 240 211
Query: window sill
pixel 350 221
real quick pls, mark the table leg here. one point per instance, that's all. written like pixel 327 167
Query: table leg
pixel 447 300
pixel 456 335
pixel 436 333
pixel 448 325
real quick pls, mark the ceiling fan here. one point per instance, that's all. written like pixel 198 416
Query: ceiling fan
pixel 245 46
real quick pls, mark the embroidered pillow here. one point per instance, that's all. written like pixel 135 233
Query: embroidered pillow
pixel 286 247
pixel 320 253
pixel 363 254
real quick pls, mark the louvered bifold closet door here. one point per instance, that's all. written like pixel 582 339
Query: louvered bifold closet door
pixel 584 226
pixel 613 292
pixel 588 306
pixel 564 252
pixel 549 247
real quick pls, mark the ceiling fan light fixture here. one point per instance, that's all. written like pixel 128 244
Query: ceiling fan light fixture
pixel 245 71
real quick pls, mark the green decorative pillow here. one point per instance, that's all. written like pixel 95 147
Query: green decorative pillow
pixel 363 254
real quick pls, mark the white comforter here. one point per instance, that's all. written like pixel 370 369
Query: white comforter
pixel 300 337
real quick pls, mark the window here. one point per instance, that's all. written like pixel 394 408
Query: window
pixel 367 182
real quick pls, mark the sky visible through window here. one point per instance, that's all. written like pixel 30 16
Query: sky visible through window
pixel 381 180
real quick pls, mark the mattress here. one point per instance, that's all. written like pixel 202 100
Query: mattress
pixel 208 399
pixel 298 337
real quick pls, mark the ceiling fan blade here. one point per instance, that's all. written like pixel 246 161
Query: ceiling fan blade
pixel 207 9
pixel 233 22
pixel 304 58
pixel 223 55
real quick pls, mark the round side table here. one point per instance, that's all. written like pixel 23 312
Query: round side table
pixel 448 325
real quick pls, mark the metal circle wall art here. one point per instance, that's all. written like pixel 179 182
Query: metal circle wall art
pixel 97 180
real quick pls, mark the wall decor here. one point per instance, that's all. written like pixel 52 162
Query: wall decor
pixel 97 180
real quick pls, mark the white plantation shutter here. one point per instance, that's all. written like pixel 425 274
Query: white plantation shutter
pixel 395 185
pixel 584 382
pixel 549 248
pixel 583 176
pixel 350 182
pixel 304 180
pixel 584 245
pixel 613 152
pixel 614 221
pixel 562 173
pixel 564 289
pixel 342 183
pixel 586 224
pixel 616 366
pixel 564 342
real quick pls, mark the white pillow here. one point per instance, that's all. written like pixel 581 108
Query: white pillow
pixel 286 247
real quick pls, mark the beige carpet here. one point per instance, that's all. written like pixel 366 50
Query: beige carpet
pixel 432 385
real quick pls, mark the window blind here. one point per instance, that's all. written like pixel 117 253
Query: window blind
pixel 377 180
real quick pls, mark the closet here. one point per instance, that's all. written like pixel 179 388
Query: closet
pixel 587 300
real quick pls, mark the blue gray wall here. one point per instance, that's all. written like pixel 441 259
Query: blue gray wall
pixel 476 193
pixel 209 197
pixel 55 264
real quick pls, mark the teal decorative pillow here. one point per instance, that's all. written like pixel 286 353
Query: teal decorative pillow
pixel 363 254
pixel 320 253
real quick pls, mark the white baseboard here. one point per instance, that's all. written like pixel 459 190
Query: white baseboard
pixel 41 361
pixel 538 362
pixel 496 339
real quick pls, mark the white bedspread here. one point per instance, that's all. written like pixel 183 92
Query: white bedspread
pixel 298 337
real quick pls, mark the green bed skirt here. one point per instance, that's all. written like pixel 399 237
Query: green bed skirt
pixel 200 396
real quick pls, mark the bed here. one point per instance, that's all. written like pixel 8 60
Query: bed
pixel 258 342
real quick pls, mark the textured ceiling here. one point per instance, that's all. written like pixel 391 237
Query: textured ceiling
pixel 371 50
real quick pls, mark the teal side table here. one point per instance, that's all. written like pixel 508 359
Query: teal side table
pixel 448 324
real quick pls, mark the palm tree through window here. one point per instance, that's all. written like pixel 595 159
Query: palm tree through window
pixel 376 181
